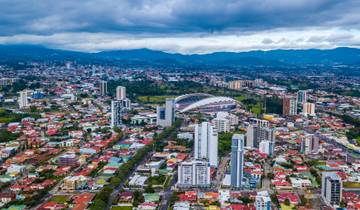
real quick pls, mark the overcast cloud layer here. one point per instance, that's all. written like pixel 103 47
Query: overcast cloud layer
pixel 185 26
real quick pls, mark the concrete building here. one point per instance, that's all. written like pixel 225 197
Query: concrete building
pixel 117 110
pixel 259 122
pixel 68 160
pixel 72 183
pixel 331 189
pixel 120 92
pixel 195 173
pixel 267 147
pixel 23 99
pixel 255 134
pixel 263 201
pixel 308 109
pixel 221 124
pixel 103 88
pixel 237 160
pixel 289 106
pixel 224 121
pixel 166 115
pixel 302 96
pixel 206 143
pixel 309 144
pixel 240 84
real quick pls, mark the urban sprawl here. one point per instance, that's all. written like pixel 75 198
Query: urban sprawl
pixel 92 137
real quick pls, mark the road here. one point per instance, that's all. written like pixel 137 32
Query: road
pixel 221 170
pixel 168 193
pixel 266 181
pixel 145 158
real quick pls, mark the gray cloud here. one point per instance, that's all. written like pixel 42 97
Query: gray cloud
pixel 172 16
pixel 181 25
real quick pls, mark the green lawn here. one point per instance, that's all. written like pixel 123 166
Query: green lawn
pixel 154 99
pixel 60 199
pixel 121 208
pixel 256 109
pixel 239 98
pixel 157 180
pixel 285 207
pixel 351 184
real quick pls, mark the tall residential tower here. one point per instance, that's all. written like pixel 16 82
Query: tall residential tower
pixel 206 143
pixel 237 160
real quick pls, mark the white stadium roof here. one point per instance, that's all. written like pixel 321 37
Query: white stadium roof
pixel 208 101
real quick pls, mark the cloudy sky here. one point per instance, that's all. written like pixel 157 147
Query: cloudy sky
pixel 185 26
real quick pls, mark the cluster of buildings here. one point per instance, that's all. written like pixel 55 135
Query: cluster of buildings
pixel 73 138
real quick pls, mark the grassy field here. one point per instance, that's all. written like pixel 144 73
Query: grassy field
pixel 239 98
pixel 256 109
pixel 60 199
pixel 285 207
pixel 351 184
pixel 154 99
pixel 121 208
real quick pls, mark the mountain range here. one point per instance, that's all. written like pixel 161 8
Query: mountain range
pixel 337 56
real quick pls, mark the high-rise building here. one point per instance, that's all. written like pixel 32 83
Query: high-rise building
pixel 259 122
pixel 302 96
pixel 255 134
pixel 103 88
pixel 166 115
pixel 289 106
pixel 308 109
pixel 331 189
pixel 126 103
pixel 120 92
pixel 267 147
pixel 237 160
pixel 195 173
pixel 309 144
pixel 206 143
pixel 117 110
pixel 221 124
pixel 23 99
pixel 263 201
pixel 240 84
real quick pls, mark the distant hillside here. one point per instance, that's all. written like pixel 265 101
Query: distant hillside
pixel 347 56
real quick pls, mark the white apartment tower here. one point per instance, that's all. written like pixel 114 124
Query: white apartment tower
pixel 222 124
pixel 255 134
pixel 206 143
pixel 331 189
pixel 302 96
pixel 267 147
pixel 117 110
pixel 103 88
pixel 195 173
pixel 165 116
pixel 23 99
pixel 120 93
pixel 309 144
pixel 237 160
pixel 263 201
pixel 308 109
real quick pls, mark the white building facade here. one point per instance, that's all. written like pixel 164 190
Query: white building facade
pixel 206 143
pixel 166 115
pixel 195 173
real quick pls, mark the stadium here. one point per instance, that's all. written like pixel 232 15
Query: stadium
pixel 203 102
